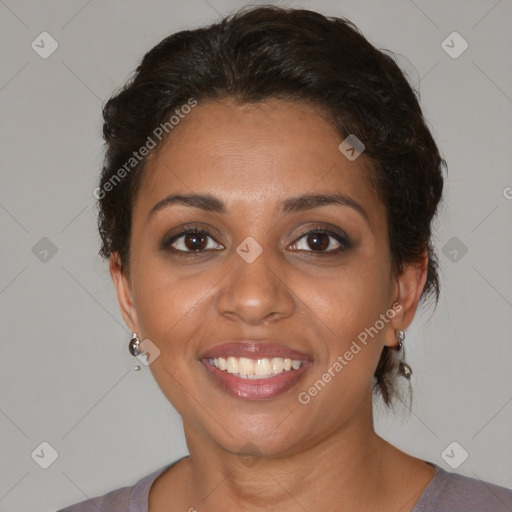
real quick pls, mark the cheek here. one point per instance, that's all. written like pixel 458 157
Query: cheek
pixel 348 310
pixel 345 312
pixel 169 309
pixel 354 297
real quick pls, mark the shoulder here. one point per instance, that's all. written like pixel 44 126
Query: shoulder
pixel 114 501
pixel 125 499
pixel 451 492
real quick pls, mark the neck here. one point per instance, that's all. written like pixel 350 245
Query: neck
pixel 340 468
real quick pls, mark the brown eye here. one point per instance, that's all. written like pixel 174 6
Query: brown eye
pixel 195 241
pixel 318 241
pixel 322 241
pixel 191 241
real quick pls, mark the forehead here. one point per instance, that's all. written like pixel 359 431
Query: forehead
pixel 251 153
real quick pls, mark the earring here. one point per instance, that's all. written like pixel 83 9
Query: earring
pixel 133 346
pixel 404 369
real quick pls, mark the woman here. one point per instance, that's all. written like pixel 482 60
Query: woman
pixel 266 206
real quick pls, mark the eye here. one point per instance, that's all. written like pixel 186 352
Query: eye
pixel 322 241
pixel 191 240
pixel 195 240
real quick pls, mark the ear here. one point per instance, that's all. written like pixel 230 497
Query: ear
pixel 124 293
pixel 409 286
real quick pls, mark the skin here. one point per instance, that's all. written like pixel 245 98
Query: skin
pixel 323 455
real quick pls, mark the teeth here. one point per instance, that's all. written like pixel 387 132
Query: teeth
pixel 277 365
pixel 262 367
pixel 245 366
pixel 255 368
pixel 232 366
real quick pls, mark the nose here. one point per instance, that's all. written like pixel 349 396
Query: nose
pixel 257 292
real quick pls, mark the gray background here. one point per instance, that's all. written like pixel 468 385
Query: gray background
pixel 66 375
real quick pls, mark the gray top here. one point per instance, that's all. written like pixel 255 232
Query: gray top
pixel 447 492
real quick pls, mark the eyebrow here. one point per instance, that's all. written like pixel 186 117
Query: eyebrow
pixel 305 202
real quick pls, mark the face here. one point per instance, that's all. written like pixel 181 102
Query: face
pixel 262 277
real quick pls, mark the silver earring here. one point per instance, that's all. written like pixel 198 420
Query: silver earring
pixel 133 346
pixel 404 369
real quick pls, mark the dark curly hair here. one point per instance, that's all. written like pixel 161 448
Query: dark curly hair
pixel 290 54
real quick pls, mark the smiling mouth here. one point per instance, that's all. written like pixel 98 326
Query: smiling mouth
pixel 255 379
pixel 261 368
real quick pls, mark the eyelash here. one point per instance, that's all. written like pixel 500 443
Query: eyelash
pixel 342 239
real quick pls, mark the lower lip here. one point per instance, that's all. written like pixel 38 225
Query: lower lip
pixel 255 389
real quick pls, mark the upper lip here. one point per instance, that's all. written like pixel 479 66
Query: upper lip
pixel 253 349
